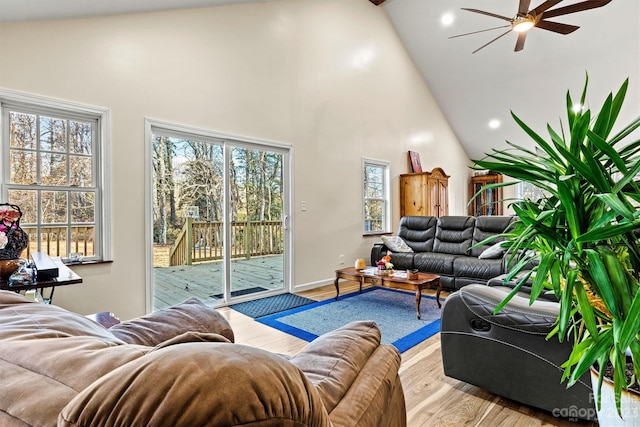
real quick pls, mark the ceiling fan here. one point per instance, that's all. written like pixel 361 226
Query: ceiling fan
pixel 537 17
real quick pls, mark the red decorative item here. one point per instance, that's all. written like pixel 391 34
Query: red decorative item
pixel 414 157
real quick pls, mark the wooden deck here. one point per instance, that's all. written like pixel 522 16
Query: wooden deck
pixel 173 285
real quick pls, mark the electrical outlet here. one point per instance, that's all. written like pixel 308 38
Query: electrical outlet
pixel 303 205
pixel 341 259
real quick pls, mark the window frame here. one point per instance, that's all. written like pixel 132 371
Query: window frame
pixel 386 198
pixel 41 105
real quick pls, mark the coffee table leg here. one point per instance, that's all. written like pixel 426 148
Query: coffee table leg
pixel 335 283
pixel 418 299
pixel 438 296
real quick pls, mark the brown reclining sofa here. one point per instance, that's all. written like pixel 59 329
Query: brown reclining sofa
pixel 180 367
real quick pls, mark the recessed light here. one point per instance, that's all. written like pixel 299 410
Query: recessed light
pixel 494 124
pixel 447 19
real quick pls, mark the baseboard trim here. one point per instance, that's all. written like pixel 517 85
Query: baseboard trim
pixel 312 285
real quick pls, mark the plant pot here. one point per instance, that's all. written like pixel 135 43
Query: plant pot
pixel 8 267
pixel 608 414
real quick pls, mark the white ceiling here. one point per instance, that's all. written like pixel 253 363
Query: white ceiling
pixel 471 89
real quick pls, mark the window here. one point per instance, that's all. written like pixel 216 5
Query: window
pixel 52 168
pixel 528 191
pixel 376 203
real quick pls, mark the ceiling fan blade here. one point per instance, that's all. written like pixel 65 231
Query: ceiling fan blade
pixel 523 9
pixel 480 31
pixel 556 27
pixel 487 44
pixel 578 7
pixel 544 6
pixel 482 12
pixel 520 42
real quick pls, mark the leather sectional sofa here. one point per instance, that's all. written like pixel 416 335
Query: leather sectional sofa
pixel 180 367
pixel 447 246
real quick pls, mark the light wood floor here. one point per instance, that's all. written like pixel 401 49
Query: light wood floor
pixel 432 399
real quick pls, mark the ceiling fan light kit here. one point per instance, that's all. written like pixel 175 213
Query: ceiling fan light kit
pixel 520 25
pixel 527 19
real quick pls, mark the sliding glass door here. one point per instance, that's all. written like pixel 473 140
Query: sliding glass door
pixel 258 220
pixel 220 209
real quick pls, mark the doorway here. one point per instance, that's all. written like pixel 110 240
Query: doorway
pixel 219 208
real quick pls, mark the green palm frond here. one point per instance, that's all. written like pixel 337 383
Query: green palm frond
pixel 583 233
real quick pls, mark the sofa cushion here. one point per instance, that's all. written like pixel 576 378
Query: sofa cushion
pixel 190 316
pixel 454 235
pixel 495 251
pixel 199 384
pixel 396 244
pixel 47 355
pixel 487 226
pixel 418 232
pixel 434 262
pixel 484 269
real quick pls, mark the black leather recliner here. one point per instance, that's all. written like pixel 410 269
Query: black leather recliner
pixel 508 353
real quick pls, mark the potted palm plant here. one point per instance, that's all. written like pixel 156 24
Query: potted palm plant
pixel 582 237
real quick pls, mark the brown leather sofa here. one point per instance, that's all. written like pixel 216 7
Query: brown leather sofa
pixel 180 367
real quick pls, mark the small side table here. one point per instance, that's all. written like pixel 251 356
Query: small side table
pixel 66 276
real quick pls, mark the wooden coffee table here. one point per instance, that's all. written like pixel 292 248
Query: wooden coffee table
pixel 424 281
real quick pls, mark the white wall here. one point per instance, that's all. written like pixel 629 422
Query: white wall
pixel 328 76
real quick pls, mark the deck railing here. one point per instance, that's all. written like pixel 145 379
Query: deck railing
pixel 203 241
pixel 53 241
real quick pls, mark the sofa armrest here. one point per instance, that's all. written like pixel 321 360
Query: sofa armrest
pixel 162 325
pixel 481 301
pixel 334 361
pixel 378 250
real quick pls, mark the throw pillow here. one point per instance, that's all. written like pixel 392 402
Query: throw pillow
pixel 493 252
pixel 396 244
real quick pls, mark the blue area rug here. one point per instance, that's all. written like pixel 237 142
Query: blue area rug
pixel 394 311
pixel 269 305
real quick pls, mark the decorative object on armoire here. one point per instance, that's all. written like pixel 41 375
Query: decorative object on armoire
pixel 424 193
pixel 485 200
pixel 13 240
pixel 414 159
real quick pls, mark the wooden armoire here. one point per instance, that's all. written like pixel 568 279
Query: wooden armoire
pixel 424 193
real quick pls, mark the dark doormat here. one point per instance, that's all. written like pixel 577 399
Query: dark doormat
pixel 270 305
pixel 241 292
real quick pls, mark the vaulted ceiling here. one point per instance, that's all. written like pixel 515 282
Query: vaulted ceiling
pixel 472 89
